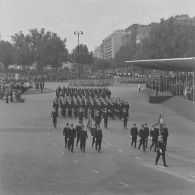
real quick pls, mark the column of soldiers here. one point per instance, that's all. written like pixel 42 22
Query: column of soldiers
pixel 95 103
pixel 79 133
pixel 158 136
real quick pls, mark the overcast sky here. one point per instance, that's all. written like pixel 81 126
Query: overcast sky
pixel 96 18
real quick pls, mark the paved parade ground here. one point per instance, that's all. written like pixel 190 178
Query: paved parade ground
pixel 33 159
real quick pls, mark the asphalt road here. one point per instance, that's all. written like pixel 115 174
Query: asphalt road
pixel 33 159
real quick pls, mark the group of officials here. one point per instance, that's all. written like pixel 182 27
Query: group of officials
pixel 158 135
pixel 97 100
pixel 79 133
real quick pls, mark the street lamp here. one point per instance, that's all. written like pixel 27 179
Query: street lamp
pixel 78 33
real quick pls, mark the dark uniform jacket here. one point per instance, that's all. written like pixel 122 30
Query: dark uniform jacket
pixel 72 134
pixel 66 131
pixel 83 135
pixel 98 135
pixel 134 131
pixel 161 146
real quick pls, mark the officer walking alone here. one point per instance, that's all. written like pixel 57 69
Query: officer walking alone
pixel 160 151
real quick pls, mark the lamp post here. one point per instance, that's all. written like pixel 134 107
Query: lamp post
pixel 78 33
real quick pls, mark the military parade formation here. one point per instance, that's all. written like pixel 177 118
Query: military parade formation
pixel 97 105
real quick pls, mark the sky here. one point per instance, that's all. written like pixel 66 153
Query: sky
pixel 96 18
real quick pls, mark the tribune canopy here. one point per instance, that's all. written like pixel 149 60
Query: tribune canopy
pixel 172 64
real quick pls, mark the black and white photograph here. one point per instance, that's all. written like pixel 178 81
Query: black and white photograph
pixel 97 97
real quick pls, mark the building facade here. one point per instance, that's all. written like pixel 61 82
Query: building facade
pixel 112 44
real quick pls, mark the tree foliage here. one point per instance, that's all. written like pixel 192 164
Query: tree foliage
pixel 100 64
pixel 81 55
pixel 168 39
pixel 6 53
pixel 40 47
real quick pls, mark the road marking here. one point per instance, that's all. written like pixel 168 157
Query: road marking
pixel 48 132
pixel 192 176
pixel 138 158
pixel 62 151
pixel 96 171
pixel 108 144
pixel 49 138
pixel 53 144
pixel 126 185
pixel 76 161
pixel 120 150
pixel 161 167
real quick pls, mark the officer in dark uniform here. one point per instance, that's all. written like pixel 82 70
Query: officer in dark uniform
pixel 11 96
pixel 80 115
pixel 125 117
pixel 97 118
pixel 154 133
pixel 56 106
pixel 105 118
pixel 83 137
pixel 71 135
pixel 54 117
pixel 78 133
pixel 142 138
pixel 6 97
pixel 161 151
pixel 165 134
pixel 93 131
pixel 65 134
pixel 146 132
pixel 134 133
pixel 98 137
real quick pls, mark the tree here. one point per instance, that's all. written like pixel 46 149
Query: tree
pixel 22 52
pixel 125 53
pixel 100 64
pixel 168 39
pixel 6 54
pixel 81 56
pixel 40 47
pixel 55 51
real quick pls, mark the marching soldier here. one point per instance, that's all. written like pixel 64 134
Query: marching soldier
pixel 146 132
pixel 134 133
pixel 142 138
pixel 125 117
pixel 154 133
pixel 71 135
pixel 97 118
pixel 105 118
pixel 165 134
pixel 80 115
pixel 98 137
pixel 161 151
pixel 83 137
pixel 93 131
pixel 78 132
pixel 65 134
pixel 54 117
pixel 56 106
